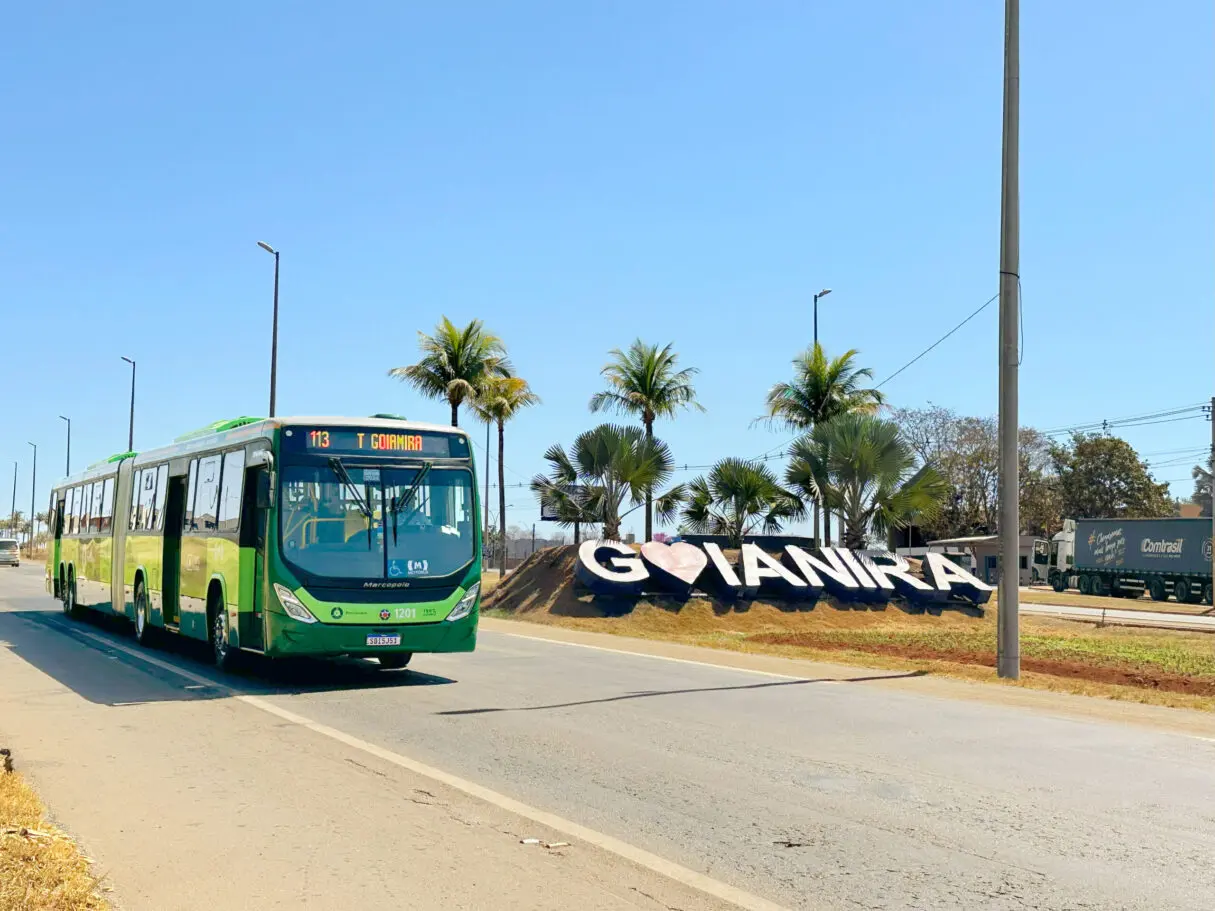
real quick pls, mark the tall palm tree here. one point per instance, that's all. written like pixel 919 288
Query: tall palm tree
pixel 605 468
pixel 455 362
pixel 737 497
pixel 872 479
pixel 498 400
pixel 823 388
pixel 807 473
pixel 644 382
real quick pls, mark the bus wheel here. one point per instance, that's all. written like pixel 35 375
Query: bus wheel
pixel 143 630
pixel 1085 585
pixel 225 654
pixel 1058 582
pixel 1207 594
pixel 395 661
pixel 1157 591
pixel 70 607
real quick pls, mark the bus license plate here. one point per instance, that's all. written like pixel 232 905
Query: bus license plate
pixel 373 639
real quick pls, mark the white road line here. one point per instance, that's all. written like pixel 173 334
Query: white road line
pixel 643 858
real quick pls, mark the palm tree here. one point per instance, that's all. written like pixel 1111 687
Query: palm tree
pixel 823 388
pixel 605 468
pixel 807 473
pixel 455 362
pixel 871 477
pixel 500 398
pixel 644 381
pixel 737 497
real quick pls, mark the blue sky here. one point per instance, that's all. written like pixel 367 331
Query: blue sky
pixel 580 174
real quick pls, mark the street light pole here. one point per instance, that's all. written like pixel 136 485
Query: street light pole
pixel 12 512
pixel 131 425
pixel 33 485
pixel 274 329
pixel 822 293
pixel 1008 635
pixel 68 468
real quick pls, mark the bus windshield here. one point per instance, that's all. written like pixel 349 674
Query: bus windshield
pixel 396 523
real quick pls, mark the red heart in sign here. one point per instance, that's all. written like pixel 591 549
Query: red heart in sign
pixel 683 561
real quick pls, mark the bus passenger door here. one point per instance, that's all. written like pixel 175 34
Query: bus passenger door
pixel 175 504
pixel 255 511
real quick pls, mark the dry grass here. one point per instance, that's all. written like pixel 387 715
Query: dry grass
pixel 42 870
pixel 1169 668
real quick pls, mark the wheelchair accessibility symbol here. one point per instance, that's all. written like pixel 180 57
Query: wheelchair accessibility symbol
pixel 395 570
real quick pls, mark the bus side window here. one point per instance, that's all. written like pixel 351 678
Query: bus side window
pixel 206 506
pixel 147 500
pixel 162 491
pixel 230 491
pixel 188 516
pixel 86 507
pixel 136 486
pixel 106 519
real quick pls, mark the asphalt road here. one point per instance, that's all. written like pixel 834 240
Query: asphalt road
pixel 812 793
pixel 1119 615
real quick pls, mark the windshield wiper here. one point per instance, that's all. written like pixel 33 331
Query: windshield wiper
pixel 401 501
pixel 344 476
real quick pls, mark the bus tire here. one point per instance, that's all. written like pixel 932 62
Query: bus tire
pixel 1207 594
pixel 217 624
pixel 71 608
pixel 395 661
pixel 1157 591
pixel 1085 584
pixel 144 631
pixel 1058 581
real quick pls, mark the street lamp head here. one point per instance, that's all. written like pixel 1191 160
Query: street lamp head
pixel 824 292
pixel 128 360
pixel 265 246
pixel 62 418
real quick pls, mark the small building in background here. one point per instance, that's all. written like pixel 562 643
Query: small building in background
pixel 985 550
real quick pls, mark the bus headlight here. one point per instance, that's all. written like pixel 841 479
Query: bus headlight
pixel 292 605
pixel 465 605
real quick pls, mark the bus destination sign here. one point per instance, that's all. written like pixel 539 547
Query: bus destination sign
pixel 345 441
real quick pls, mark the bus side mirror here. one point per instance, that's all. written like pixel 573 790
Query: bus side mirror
pixel 265 490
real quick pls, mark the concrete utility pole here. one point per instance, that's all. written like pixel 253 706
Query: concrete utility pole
pixel 33 487
pixel 1211 465
pixel 1008 636
pixel 131 422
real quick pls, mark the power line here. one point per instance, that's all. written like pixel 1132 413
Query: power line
pixel 989 302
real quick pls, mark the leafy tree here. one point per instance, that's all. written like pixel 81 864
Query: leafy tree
pixel 644 381
pixel 965 451
pixel 736 498
pixel 823 388
pixel 872 477
pixel 498 400
pixel 455 362
pixel 1203 483
pixel 605 468
pixel 1102 477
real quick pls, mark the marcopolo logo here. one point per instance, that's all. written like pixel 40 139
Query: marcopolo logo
pixel 612 568
pixel 1166 548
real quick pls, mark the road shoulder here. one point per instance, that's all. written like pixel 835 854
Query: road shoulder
pixel 189 798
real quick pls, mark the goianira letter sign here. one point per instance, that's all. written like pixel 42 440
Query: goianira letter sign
pixel 612 568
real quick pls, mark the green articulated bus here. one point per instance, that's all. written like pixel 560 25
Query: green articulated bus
pixel 282 536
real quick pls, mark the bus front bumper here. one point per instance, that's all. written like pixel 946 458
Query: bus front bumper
pixel 287 637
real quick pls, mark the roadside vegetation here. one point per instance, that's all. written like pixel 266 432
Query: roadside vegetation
pixel 41 869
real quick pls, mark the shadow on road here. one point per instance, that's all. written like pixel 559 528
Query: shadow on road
pixel 70 652
pixel 703 689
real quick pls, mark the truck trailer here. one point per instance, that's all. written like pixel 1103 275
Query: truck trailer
pixel 1123 558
